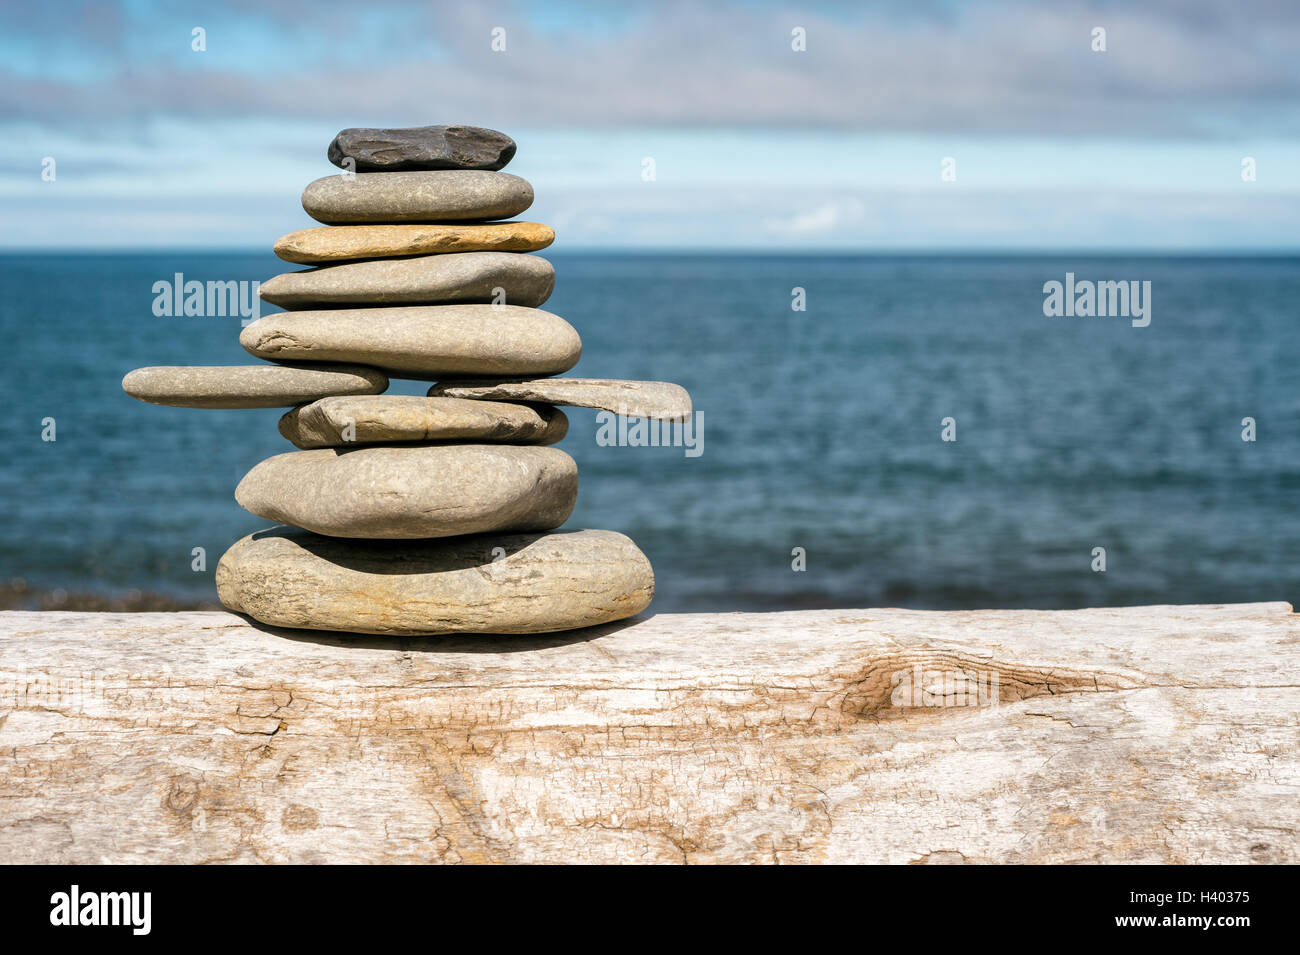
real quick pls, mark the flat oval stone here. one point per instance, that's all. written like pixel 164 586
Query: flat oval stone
pixel 451 194
pixel 429 341
pixel 249 386
pixel 415 492
pixel 421 147
pixel 337 243
pixel 425 280
pixel 662 400
pixel 489 583
pixel 380 419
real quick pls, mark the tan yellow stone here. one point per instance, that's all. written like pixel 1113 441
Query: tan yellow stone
pixel 344 242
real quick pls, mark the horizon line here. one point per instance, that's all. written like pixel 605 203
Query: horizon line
pixel 965 251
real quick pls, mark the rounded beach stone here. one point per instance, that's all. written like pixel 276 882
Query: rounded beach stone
pixel 489 583
pixel 634 399
pixel 455 195
pixel 430 341
pixel 414 492
pixel 337 243
pixel 421 147
pixel 381 419
pixel 249 386
pixel 525 280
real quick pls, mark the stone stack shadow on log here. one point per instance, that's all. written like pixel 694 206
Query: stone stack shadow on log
pixel 431 514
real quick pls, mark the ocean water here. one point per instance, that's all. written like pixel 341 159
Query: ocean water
pixel 821 429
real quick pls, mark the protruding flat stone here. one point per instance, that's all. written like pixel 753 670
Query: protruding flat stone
pixel 429 341
pixel 415 492
pixel 421 147
pixel 337 243
pixel 380 419
pixel 633 399
pixel 426 280
pixel 249 386
pixel 455 195
pixel 490 583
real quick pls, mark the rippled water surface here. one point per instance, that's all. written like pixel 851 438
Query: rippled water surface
pixel 821 429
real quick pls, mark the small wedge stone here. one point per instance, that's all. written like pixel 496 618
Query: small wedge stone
pixel 633 399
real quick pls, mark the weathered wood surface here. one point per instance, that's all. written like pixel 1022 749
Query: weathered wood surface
pixel 1153 734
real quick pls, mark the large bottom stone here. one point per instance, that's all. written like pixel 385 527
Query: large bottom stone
pixel 489 583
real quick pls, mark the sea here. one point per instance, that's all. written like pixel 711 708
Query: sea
pixel 871 430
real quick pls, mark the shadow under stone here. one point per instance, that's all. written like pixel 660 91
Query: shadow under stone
pixel 448 643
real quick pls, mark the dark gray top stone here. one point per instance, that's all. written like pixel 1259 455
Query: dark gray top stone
pixel 422 147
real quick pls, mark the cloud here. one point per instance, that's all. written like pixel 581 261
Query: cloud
pixel 756 144
pixel 1193 68
pixel 825 218
pixel 1036 222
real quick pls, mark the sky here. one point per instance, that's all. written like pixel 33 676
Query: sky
pixel 1046 142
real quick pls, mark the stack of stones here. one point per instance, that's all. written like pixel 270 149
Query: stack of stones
pixel 411 514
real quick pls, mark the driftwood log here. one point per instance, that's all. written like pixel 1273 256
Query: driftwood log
pixel 1148 734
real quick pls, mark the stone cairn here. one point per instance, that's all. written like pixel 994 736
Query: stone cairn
pixel 419 515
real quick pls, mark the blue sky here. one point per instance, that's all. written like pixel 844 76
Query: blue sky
pixel 756 145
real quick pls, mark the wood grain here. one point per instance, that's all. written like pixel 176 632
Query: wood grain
pixel 1150 734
